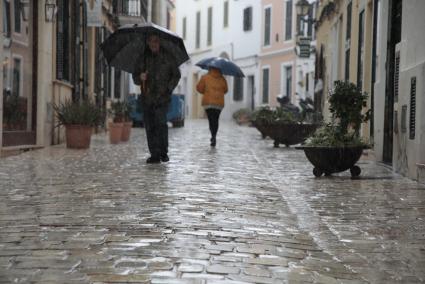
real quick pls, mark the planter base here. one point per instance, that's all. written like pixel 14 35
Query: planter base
pixel 329 160
pixel 288 134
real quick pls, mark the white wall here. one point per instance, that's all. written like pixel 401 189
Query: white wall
pixel 379 88
pixel 407 153
pixel 241 46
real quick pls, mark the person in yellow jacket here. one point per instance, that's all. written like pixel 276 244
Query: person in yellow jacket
pixel 213 86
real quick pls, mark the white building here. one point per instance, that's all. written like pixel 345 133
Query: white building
pixel 399 93
pixel 225 28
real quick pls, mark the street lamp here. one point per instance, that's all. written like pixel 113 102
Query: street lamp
pixel 49 11
pixel 302 7
pixel 25 9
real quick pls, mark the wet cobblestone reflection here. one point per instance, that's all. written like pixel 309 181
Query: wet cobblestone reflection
pixel 244 212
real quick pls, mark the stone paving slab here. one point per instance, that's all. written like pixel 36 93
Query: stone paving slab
pixel 244 212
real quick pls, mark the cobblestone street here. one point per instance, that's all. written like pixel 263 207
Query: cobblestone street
pixel 244 212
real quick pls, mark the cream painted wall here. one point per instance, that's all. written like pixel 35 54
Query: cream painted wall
pixel 45 73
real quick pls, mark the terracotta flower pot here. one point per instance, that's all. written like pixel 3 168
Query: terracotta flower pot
pixel 115 132
pixel 126 130
pixel 78 136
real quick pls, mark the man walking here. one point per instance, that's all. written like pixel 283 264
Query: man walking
pixel 158 76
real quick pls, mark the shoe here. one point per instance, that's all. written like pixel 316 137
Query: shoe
pixel 213 142
pixel 164 158
pixel 153 160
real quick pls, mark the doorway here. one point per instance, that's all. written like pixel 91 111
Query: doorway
pixel 394 37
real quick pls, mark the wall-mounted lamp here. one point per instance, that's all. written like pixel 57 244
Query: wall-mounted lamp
pixel 25 9
pixel 49 11
pixel 302 7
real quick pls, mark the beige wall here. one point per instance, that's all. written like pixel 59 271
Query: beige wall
pixel 335 48
pixel 45 78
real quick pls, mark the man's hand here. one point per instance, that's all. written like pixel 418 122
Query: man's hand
pixel 144 76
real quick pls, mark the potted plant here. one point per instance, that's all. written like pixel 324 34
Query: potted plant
pixel 337 146
pixel 284 124
pixel 79 118
pixel 242 116
pixel 127 121
pixel 115 126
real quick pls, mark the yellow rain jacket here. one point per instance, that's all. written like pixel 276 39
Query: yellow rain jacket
pixel 213 86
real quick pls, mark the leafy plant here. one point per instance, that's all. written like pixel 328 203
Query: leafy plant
pixel 346 104
pixel 120 111
pixel 242 115
pixel 79 113
pixel 266 115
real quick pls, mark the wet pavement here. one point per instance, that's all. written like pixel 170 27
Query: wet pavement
pixel 244 212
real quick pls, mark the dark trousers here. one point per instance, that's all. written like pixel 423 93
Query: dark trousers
pixel 213 116
pixel 155 121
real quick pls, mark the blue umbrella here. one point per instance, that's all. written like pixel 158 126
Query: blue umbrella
pixel 226 67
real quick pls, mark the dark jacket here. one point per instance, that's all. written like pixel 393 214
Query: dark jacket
pixel 163 76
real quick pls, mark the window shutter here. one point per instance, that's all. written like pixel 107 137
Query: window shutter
pixel 60 41
pixel 412 116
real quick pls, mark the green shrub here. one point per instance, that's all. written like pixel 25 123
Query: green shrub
pixel 120 111
pixel 82 113
pixel 346 104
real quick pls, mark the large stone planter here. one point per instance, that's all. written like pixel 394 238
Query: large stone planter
pixel 78 136
pixel 289 133
pixel 260 127
pixel 329 160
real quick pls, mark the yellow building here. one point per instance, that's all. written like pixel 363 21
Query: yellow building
pixel 344 31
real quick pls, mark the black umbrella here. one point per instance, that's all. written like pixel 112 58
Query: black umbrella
pixel 125 48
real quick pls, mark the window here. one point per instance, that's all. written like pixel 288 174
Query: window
pixel 198 29
pixel 238 89
pixel 63 41
pixel 17 15
pixel 288 20
pixel 287 81
pixel 360 56
pixel 347 65
pixel 184 27
pixel 226 14
pixel 209 34
pixel 6 18
pixel 266 85
pixel 348 31
pixel 16 77
pixel 267 25
pixel 247 19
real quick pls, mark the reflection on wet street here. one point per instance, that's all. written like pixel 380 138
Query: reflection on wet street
pixel 244 212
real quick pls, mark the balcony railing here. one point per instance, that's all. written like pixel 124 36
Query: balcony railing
pixel 131 8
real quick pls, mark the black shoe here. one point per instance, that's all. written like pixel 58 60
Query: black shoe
pixel 213 142
pixel 153 160
pixel 164 158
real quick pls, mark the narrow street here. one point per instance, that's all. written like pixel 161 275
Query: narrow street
pixel 244 212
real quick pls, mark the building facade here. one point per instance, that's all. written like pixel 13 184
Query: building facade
pixel 378 45
pixel 50 53
pixel 399 101
pixel 344 50
pixel 283 72
pixel 225 28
